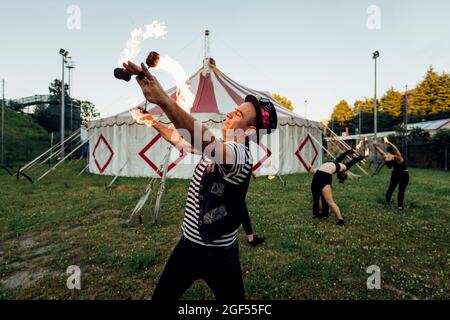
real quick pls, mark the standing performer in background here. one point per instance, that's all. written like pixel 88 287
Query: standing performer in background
pixel 399 176
pixel 208 248
pixel 321 185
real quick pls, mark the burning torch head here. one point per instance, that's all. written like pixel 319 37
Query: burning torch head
pixel 152 59
pixel 122 74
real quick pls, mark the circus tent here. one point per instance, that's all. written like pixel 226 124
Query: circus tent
pixel 120 146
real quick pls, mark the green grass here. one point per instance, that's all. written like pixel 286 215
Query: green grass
pixel 24 138
pixel 74 221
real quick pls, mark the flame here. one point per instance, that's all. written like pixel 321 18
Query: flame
pixel 142 118
pixel 358 146
pixel 185 98
pixel 138 35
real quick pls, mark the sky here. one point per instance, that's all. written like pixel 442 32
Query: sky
pixel 318 51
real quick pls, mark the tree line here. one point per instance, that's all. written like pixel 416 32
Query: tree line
pixel 430 100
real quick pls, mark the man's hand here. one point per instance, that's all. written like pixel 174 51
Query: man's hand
pixel 150 86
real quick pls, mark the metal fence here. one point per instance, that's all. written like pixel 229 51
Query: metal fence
pixel 428 156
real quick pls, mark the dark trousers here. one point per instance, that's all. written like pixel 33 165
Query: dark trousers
pixel 246 223
pixel 400 178
pixel 320 180
pixel 317 196
pixel 219 267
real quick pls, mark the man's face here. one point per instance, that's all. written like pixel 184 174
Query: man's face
pixel 243 118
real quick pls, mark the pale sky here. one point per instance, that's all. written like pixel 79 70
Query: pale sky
pixel 318 51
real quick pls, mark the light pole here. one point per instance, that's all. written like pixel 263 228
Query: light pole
pixel 306 109
pixel 359 121
pixel 70 66
pixel 375 55
pixel 63 54
pixel 405 152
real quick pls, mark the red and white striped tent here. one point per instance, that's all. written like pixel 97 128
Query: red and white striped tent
pixel 120 146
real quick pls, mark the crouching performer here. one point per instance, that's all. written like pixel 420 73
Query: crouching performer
pixel 321 186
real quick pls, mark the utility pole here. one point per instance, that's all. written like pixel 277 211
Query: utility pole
pixel 306 109
pixel 375 55
pixel 359 125
pixel 63 54
pixel 406 124
pixel 3 122
pixel 70 66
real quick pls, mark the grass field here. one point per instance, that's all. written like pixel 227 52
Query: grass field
pixel 68 220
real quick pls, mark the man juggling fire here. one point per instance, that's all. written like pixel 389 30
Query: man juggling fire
pixel 215 203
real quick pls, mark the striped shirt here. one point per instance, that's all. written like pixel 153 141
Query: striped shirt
pixel 235 174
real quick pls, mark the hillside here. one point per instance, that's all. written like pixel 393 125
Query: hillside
pixel 24 138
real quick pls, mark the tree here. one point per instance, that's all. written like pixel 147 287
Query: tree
pixel 432 95
pixel 88 112
pixel 418 135
pixel 342 113
pixel 443 95
pixel 442 137
pixel 365 105
pixel 55 91
pixel 391 103
pixel 285 102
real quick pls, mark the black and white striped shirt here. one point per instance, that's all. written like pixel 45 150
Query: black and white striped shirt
pixel 235 173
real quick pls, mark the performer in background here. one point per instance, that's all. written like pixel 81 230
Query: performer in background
pixel 321 185
pixel 400 174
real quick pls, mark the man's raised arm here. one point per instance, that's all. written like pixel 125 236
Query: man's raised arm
pixel 197 135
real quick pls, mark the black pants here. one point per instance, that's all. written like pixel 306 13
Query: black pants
pixel 246 223
pixel 320 180
pixel 400 178
pixel 219 267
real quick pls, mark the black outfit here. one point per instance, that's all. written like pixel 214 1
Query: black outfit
pixel 208 250
pixel 246 223
pixel 219 267
pixel 322 179
pixel 400 177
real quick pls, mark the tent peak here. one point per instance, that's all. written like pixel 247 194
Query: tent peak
pixel 207 63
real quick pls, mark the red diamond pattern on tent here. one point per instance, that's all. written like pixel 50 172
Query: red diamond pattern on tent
pixel 267 156
pixel 143 152
pixel 108 147
pixel 299 150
